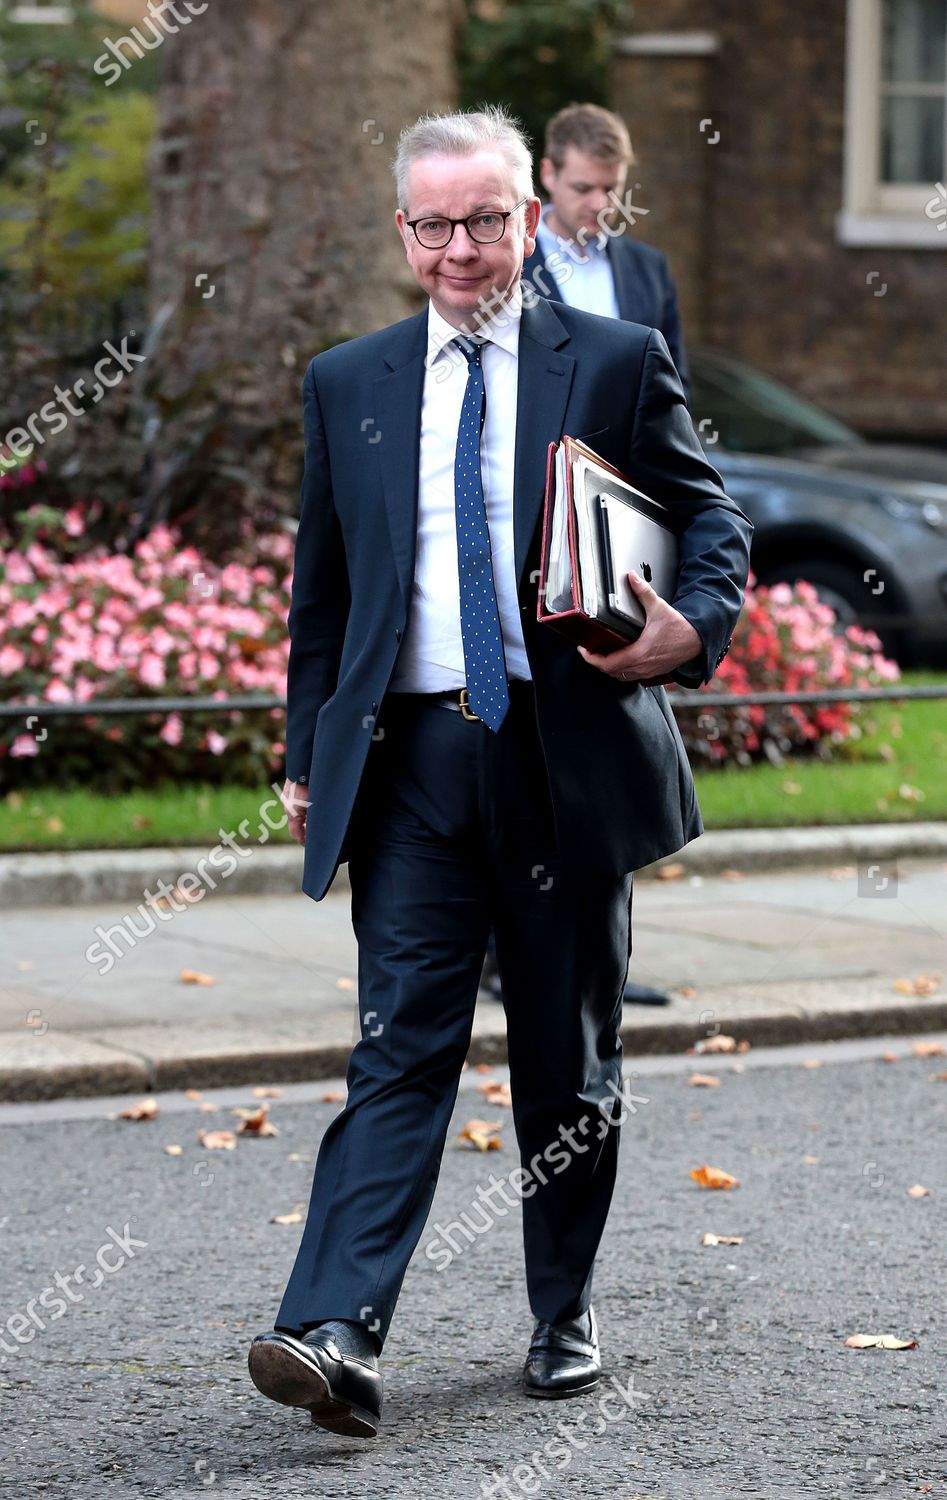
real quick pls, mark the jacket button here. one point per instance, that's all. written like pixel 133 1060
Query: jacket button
pixel 374 708
pixel 397 635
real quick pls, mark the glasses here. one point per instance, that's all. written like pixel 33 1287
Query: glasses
pixel 486 227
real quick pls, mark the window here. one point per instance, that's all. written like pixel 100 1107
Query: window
pixel 896 124
pixel 40 12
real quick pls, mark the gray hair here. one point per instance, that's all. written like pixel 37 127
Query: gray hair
pixel 489 127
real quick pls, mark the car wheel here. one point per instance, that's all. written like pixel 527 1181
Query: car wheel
pixel 848 592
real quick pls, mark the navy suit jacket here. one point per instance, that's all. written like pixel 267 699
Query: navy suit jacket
pixel 644 290
pixel 620 782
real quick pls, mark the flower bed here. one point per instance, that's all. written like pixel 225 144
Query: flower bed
pixel 161 622
pixel 166 622
pixel 786 641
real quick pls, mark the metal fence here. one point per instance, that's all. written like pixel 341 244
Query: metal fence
pixel 688 702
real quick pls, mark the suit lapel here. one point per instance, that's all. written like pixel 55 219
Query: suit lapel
pixel 397 405
pixel 627 292
pixel 544 382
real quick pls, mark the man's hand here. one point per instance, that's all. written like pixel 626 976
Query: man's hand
pixel 666 642
pixel 295 799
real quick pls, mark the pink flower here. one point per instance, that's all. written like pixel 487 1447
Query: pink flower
pixel 24 745
pixel 172 731
pixel 11 660
pixel 216 743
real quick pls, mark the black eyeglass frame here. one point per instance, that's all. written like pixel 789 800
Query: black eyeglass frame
pixel 501 213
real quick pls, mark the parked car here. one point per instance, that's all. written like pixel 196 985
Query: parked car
pixel 865 522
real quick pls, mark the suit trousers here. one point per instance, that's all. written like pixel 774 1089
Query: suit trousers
pixel 453 832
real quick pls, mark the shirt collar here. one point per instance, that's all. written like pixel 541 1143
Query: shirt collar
pixel 502 329
pixel 551 240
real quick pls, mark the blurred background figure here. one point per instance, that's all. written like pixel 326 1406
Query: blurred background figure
pixel 586 253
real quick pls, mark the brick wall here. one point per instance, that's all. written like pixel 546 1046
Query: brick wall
pixel 749 222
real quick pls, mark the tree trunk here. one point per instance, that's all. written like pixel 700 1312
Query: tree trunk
pixel 273 233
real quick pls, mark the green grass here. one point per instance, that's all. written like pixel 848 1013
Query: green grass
pixel 895 773
pixel 902 755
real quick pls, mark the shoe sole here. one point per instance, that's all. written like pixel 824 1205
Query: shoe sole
pixel 280 1373
pixel 560 1394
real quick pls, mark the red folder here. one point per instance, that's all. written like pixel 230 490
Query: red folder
pixel 574 623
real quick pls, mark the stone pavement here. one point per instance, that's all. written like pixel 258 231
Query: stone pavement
pixel 810 953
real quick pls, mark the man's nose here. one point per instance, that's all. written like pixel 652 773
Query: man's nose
pixel 462 245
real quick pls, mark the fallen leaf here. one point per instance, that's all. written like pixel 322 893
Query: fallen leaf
pixel 909 793
pixel 293 1218
pixel 890 1057
pixel 879 1341
pixel 55 825
pixel 886 752
pixel 193 1094
pixel 792 788
pixel 217 1140
pixel 298 1156
pixel 194 976
pixel 738 1067
pixel 174 1150
pixel 344 983
pixel 841 872
pixel 810 1160
pixel 812 1062
pixel 929 1049
pixel 719 1043
pixel 139 820
pixel 923 984
pixel 939 1077
pixel 713 1177
pixel 146 1110
pixel 267 1093
pixel 482 1067
pixel 332 1096
pixel 732 875
pixel 188 896
pixel 496 1093
pixel 693 1114
pixel 482 1133
pixel 919 1191
pixel 722 1239
pixel 703 1081
pixel 672 871
pixel 255 1122
pixel 687 992
pixel 206 1108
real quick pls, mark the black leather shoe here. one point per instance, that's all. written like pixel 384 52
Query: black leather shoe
pixel 643 994
pixel 563 1358
pixel 342 1393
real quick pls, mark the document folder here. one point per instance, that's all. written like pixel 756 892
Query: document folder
pixel 598 527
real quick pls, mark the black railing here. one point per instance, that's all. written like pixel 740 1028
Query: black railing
pixel 689 702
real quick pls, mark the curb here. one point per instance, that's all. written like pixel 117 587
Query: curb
pixel 123 875
pixel 87 1068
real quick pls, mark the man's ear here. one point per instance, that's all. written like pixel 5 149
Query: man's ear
pixel 402 229
pixel 547 174
pixel 532 209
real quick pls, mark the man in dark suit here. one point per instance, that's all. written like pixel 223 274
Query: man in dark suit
pixel 474 768
pixel 586 253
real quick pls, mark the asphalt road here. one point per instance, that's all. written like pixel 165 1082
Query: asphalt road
pixel 736 1377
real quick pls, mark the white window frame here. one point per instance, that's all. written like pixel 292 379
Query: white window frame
pixel 874 212
pixel 40 14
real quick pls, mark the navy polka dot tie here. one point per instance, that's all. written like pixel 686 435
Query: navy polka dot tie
pixel 484 661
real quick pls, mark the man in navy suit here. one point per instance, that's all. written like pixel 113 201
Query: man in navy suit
pixel 475 768
pixel 585 252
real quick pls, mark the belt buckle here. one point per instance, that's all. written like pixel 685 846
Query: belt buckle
pixel 465 708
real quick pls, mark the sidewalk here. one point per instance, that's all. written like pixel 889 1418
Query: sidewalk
pixel 783 956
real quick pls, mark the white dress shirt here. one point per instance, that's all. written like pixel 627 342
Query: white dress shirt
pixel 432 652
pixel 582 273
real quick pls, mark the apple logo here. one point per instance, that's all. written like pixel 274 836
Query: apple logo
pixel 646 572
